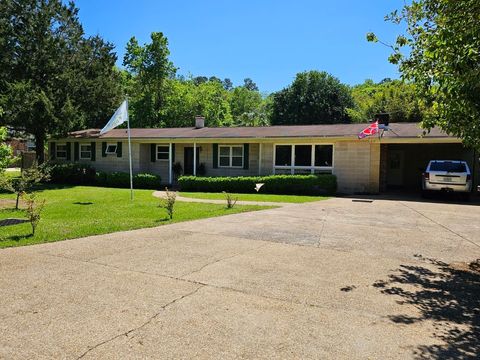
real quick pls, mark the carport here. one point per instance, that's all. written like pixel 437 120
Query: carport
pixel 402 164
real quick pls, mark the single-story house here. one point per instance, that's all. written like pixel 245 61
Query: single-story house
pixel 371 165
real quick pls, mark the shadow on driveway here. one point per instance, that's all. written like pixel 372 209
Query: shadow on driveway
pixel 445 295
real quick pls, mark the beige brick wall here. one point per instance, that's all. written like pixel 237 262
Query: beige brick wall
pixel 357 166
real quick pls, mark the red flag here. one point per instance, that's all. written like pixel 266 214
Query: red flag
pixel 369 131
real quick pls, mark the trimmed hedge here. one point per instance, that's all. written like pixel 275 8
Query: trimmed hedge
pixel 122 180
pixel 73 174
pixel 83 174
pixel 274 184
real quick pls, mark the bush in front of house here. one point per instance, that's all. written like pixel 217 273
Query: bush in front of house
pixel 324 184
pixel 72 174
pixel 84 174
pixel 122 180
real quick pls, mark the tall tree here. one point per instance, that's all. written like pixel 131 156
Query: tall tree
pixel 395 97
pixel 249 84
pixel 443 59
pixel 313 98
pixel 5 150
pixel 246 108
pixel 51 75
pixel 151 68
pixel 185 99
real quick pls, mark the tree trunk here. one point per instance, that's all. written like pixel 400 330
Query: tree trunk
pixel 18 198
pixel 40 148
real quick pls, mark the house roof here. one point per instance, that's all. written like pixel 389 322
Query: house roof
pixel 398 130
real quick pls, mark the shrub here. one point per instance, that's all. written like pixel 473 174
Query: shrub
pixel 275 184
pixel 74 174
pixel 122 180
pixel 168 202
pixel 231 201
pixel 34 209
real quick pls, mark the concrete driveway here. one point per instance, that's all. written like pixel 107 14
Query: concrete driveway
pixel 336 279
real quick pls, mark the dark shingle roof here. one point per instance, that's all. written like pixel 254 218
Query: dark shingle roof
pixel 399 130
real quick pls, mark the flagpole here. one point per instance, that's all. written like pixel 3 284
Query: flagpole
pixel 129 153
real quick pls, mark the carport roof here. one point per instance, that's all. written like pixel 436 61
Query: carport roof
pixel 398 130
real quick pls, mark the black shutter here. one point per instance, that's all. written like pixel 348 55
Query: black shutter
pixel 153 152
pixel 215 156
pixel 76 151
pixel 119 149
pixel 53 150
pixel 104 149
pixel 173 153
pixel 69 151
pixel 245 155
pixel 92 149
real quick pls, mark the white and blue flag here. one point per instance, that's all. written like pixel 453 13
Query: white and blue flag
pixel 120 116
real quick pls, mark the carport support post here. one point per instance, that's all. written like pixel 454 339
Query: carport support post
pixel 194 159
pixel 170 164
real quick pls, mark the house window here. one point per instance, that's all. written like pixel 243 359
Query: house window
pixel 61 151
pixel 111 149
pixel 163 152
pixel 85 151
pixel 283 155
pixel 303 155
pixel 230 156
pixel 323 155
pixel 307 158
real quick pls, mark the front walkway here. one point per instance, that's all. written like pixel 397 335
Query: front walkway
pixel 334 279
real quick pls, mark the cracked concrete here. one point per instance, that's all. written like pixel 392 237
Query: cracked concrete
pixel 267 284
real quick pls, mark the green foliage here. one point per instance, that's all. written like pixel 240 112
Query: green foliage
pixel 72 174
pixel 442 59
pixel 395 97
pixel 26 182
pixel 83 174
pixel 122 180
pixel 50 72
pixel 273 184
pixel 151 68
pixel 34 208
pixel 313 98
pixel 168 202
pixel 5 150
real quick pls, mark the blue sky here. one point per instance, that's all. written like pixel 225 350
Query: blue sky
pixel 268 41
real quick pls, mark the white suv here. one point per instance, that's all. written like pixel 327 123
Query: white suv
pixel 447 175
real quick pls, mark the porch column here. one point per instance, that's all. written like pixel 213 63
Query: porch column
pixel 260 159
pixel 170 180
pixel 194 159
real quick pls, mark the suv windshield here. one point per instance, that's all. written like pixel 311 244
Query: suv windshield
pixel 448 166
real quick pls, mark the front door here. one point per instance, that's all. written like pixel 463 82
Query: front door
pixel 395 168
pixel 188 160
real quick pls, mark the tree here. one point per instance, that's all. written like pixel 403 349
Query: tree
pixel 443 57
pixel 246 107
pixel 185 99
pixel 250 85
pixel 52 78
pixel 395 97
pixel 227 84
pixel 150 68
pixel 5 150
pixel 313 98
pixel 26 182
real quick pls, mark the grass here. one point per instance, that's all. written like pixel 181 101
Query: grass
pixel 255 197
pixel 73 212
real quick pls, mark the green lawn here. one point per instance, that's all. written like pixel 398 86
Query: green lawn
pixel 79 211
pixel 255 197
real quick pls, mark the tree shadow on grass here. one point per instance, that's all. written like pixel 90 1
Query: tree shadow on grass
pixel 446 295
pixel 16 238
